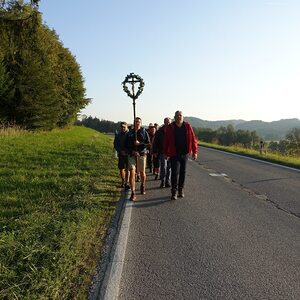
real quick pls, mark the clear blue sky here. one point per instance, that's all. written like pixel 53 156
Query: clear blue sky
pixel 215 60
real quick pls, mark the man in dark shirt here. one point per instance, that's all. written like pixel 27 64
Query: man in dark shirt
pixel 136 145
pixel 119 146
pixel 158 150
pixel 179 141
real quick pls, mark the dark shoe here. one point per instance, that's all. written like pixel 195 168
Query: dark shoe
pixel 132 197
pixel 156 177
pixel 180 193
pixel 162 185
pixel 143 189
pixel 174 194
pixel 137 178
pixel 127 187
pixel 168 184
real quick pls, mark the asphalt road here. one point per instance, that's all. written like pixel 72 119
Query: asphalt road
pixel 231 237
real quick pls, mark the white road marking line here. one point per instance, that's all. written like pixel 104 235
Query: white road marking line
pixel 113 275
pixel 218 174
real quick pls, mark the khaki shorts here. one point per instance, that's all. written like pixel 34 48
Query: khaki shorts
pixel 140 162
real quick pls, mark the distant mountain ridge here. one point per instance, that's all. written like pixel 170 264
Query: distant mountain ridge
pixel 274 130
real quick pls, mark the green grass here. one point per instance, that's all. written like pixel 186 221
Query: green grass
pixel 57 197
pixel 289 161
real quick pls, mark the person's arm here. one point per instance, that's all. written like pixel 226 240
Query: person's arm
pixel 194 143
pixel 117 143
pixel 128 144
pixel 166 141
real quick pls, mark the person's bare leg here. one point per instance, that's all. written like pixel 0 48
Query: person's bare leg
pixel 122 175
pixel 132 183
pixel 143 182
pixel 126 176
pixel 143 177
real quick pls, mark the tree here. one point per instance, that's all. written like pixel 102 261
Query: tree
pixel 293 141
pixel 6 92
pixel 47 86
pixel 205 134
pixel 244 138
pixel 226 135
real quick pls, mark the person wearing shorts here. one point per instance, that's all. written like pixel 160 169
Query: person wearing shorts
pixel 136 144
pixel 119 145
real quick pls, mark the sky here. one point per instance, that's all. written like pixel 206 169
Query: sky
pixel 214 60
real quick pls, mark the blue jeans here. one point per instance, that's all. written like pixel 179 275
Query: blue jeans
pixel 165 168
pixel 178 167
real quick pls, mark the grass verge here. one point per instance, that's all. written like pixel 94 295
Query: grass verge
pixel 57 197
pixel 289 161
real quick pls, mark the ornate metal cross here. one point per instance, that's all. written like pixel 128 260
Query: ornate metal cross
pixel 133 79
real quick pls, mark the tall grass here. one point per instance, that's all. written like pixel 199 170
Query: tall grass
pixel 57 196
pixel 291 161
pixel 8 129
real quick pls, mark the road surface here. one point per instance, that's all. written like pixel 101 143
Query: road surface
pixel 235 235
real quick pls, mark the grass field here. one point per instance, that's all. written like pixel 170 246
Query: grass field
pixel 58 192
pixel 275 158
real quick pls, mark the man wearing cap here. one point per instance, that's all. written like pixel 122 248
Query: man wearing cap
pixel 179 142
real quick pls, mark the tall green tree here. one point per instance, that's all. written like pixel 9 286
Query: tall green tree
pixel 47 84
pixel 293 139
pixel 6 93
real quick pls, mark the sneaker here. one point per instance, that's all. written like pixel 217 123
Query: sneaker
pixel 168 184
pixel 132 197
pixel 174 194
pixel 180 193
pixel 127 187
pixel 143 189
pixel 162 185
pixel 174 197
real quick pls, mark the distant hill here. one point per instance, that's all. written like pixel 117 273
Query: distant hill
pixel 196 122
pixel 274 130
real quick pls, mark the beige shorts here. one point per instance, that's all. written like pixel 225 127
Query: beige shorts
pixel 140 163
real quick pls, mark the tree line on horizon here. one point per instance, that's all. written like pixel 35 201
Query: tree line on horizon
pixel 225 136
pixel 41 84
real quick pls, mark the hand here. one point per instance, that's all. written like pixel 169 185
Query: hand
pixel 136 143
pixel 195 156
pixel 135 153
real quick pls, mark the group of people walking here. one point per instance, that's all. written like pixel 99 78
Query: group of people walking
pixel 166 147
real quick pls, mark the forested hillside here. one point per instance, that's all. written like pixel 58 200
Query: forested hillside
pixel 275 130
pixel 41 84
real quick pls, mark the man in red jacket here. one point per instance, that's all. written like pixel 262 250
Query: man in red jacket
pixel 179 142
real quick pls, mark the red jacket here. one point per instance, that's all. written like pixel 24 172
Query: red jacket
pixel 169 140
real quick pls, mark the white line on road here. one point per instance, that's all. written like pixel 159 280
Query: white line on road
pixel 218 174
pixel 110 290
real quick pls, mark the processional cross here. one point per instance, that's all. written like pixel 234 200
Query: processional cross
pixel 133 79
